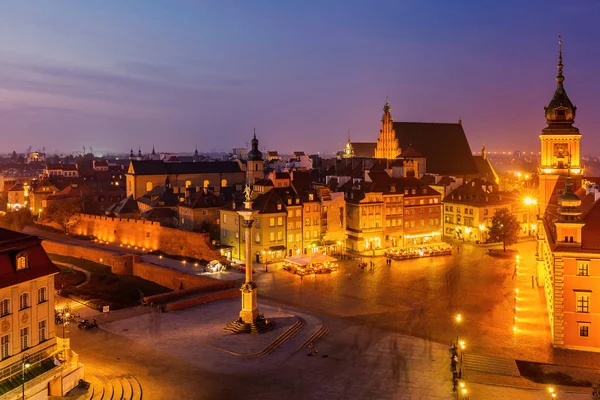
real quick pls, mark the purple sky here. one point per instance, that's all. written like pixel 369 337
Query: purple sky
pixel 177 74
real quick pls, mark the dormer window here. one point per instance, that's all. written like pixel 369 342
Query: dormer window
pixel 278 206
pixel 297 201
pixel 311 197
pixel 289 201
pixel 22 261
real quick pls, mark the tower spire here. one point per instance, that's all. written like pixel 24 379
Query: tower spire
pixel 255 132
pixel 348 135
pixel 560 78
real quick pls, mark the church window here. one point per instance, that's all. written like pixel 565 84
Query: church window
pixel 256 167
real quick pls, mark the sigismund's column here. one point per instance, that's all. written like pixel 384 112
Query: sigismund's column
pixel 249 321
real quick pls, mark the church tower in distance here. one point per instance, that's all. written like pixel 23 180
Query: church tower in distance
pixel 256 164
pixel 387 143
pixel 560 145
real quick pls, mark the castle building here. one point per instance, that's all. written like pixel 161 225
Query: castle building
pixel 27 329
pixel 560 145
pixel 568 251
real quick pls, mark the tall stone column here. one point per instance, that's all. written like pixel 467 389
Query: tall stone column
pixel 249 320
pixel 249 291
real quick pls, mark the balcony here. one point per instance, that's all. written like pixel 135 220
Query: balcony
pixel 44 368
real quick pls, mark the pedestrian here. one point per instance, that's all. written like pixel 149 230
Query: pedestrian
pixel 301 276
pixel 532 281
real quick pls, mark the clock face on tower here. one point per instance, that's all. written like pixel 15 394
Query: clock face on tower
pixel 561 150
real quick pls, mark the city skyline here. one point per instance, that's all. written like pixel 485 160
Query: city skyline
pixel 177 76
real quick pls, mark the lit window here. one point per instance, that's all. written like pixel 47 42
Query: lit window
pixel 188 184
pixel 148 186
pixel 272 221
pixel 206 183
pixel 22 261
pixel 223 183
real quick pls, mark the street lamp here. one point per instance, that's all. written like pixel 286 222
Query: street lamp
pixel 552 392
pixel 24 366
pixel 458 319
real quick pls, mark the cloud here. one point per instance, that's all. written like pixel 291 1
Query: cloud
pixel 111 88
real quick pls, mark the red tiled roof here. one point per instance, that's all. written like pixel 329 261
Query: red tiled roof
pixel 410 152
pixel 11 244
pixel 590 233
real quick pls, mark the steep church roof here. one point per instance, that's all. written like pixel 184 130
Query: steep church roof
pixel 444 145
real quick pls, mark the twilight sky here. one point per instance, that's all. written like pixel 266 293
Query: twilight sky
pixel 176 74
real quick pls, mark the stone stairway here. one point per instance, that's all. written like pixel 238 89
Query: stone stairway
pixel 491 365
pixel 123 387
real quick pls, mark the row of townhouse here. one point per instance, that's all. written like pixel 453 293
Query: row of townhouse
pixel 290 221
pixel 468 211
pixel 386 212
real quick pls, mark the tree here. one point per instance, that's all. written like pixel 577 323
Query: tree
pixel 14 156
pixel 505 228
pixel 63 213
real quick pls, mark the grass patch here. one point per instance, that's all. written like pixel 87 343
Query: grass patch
pixel 535 372
pixel 82 263
pixel 68 277
pixel 106 288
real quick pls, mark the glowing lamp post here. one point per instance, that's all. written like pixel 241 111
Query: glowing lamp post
pixel 458 319
pixel 26 364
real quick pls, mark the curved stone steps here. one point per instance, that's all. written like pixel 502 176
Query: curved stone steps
pixel 136 387
pixel 108 388
pixel 117 386
pixel 127 388
pixel 124 387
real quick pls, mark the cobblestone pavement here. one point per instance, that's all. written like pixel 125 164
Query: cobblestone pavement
pixel 420 297
pixel 353 361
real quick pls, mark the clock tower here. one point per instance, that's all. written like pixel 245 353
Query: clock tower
pixel 560 140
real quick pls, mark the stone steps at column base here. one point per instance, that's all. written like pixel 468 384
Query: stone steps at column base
pixel 259 326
